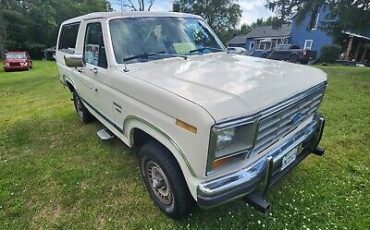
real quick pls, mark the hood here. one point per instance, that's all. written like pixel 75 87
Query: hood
pixel 229 85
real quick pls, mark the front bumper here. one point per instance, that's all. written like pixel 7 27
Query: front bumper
pixel 265 172
pixel 15 68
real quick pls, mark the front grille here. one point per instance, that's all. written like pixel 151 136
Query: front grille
pixel 277 125
pixel 15 64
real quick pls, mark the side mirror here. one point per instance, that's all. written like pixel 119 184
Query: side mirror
pixel 74 60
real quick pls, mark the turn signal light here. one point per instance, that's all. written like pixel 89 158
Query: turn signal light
pixel 219 163
pixel 186 126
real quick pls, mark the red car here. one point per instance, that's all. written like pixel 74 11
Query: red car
pixel 17 60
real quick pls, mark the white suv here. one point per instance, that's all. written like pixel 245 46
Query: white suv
pixel 210 126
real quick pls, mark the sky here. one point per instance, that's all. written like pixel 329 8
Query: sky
pixel 252 9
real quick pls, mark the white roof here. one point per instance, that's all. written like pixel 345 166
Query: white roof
pixel 357 35
pixel 129 14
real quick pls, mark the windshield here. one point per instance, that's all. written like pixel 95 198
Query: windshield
pixel 138 37
pixel 15 55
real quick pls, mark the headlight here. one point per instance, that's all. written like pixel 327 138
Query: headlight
pixel 228 141
pixel 225 137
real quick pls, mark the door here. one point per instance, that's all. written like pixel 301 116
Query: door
pixel 95 75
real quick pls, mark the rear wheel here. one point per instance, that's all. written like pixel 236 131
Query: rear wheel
pixel 304 62
pixel 83 114
pixel 164 181
pixel 293 58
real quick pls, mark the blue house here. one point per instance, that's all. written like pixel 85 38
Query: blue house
pixel 310 38
pixel 265 38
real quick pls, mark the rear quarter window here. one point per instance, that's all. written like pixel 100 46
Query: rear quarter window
pixel 68 37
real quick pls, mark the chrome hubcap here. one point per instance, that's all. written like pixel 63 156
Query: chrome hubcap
pixel 159 183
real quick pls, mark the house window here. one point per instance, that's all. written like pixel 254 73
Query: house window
pixel 308 44
pixel 251 46
pixel 275 42
pixel 268 46
pixel 261 46
pixel 317 20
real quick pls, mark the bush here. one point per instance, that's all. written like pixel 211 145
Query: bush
pixel 330 53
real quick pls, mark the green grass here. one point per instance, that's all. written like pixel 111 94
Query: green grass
pixel 56 173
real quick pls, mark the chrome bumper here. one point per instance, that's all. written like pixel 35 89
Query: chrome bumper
pixel 265 172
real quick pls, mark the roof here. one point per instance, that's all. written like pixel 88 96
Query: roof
pixel 357 35
pixel 269 31
pixel 262 32
pixel 129 14
pixel 240 39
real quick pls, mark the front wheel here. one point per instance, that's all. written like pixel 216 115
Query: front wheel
pixel 164 181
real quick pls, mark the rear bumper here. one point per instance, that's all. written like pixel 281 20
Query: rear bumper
pixel 265 172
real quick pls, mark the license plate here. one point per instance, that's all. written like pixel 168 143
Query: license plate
pixel 289 158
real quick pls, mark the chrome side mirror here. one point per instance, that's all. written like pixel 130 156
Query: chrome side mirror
pixel 74 60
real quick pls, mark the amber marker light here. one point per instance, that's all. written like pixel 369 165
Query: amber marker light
pixel 219 163
pixel 186 126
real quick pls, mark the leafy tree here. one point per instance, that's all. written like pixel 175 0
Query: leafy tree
pixel 222 15
pixel 244 29
pixel 33 25
pixel 2 36
pixel 136 5
pixel 270 21
pixel 344 15
pixel 330 53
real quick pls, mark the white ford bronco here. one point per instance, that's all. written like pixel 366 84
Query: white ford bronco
pixel 210 126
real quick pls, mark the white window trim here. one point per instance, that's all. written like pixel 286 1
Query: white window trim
pixel 264 47
pixel 317 21
pixel 305 44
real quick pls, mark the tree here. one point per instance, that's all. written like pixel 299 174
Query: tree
pixel 222 15
pixel 270 21
pixel 244 29
pixel 344 15
pixel 2 36
pixel 33 25
pixel 136 5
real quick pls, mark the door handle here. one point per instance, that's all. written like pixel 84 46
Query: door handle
pixel 94 70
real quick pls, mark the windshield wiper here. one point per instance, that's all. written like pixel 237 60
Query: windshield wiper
pixel 206 48
pixel 143 55
pixel 147 55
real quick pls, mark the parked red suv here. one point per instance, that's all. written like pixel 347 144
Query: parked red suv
pixel 17 60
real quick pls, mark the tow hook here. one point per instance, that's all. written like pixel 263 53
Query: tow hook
pixel 258 203
pixel 319 151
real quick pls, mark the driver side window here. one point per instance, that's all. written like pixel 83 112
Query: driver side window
pixel 94 49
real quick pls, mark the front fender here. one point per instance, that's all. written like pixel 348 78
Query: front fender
pixel 132 122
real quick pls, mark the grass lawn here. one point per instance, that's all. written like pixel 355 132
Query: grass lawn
pixel 56 173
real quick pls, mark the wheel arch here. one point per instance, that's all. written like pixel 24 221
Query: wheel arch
pixel 140 132
pixel 68 82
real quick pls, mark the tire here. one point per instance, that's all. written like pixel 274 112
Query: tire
pixel 83 114
pixel 164 181
pixel 293 58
